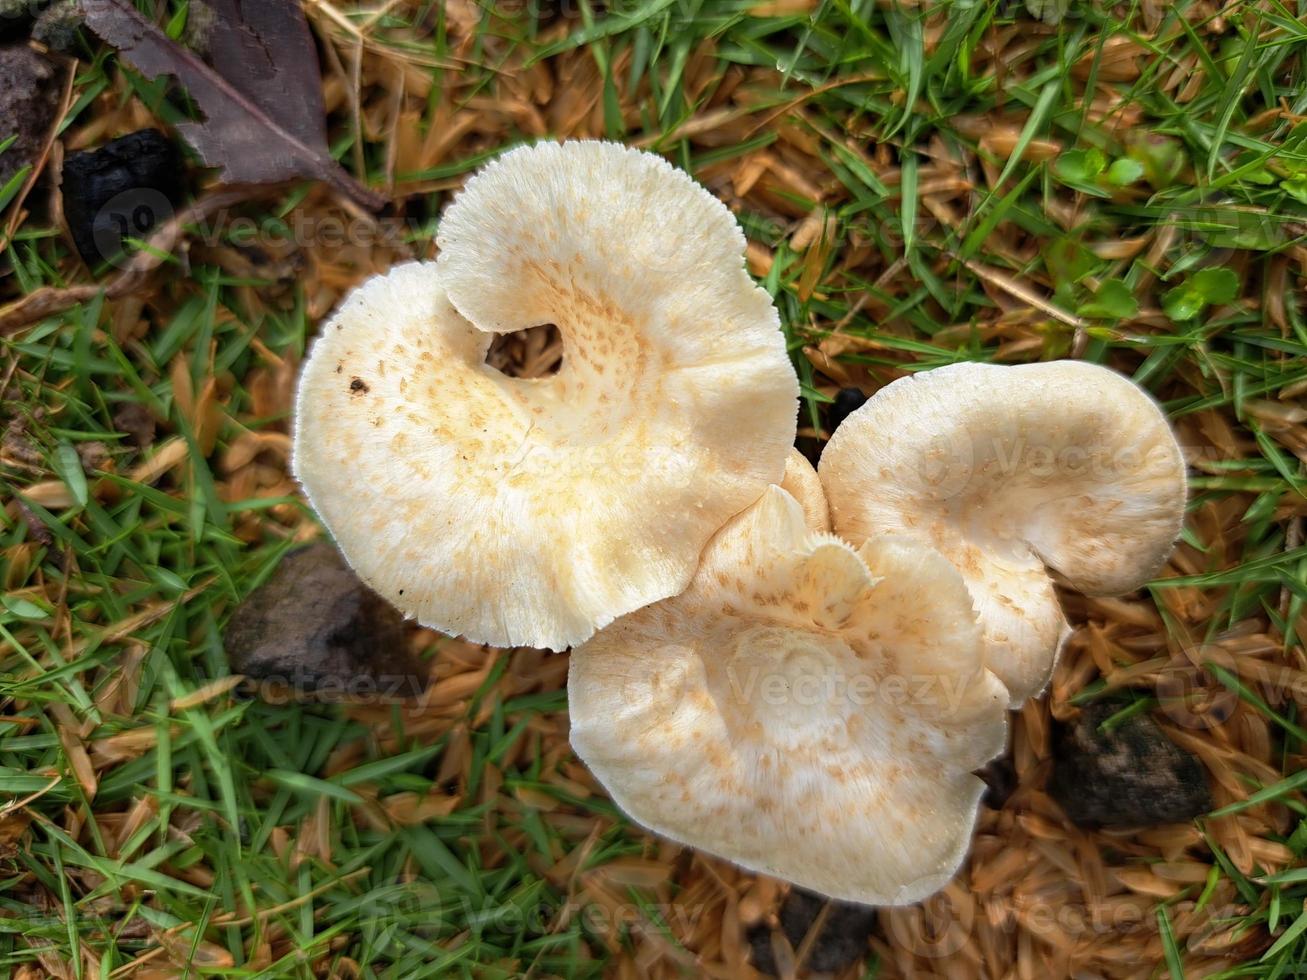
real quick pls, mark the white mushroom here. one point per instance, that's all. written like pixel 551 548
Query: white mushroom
pixel 803 709
pixel 1010 471
pixel 531 512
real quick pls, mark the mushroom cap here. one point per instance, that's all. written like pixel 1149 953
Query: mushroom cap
pixel 802 483
pixel 1010 471
pixel 802 709
pixel 531 512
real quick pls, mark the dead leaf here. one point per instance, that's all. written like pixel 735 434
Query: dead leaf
pixel 263 122
pixel 185 951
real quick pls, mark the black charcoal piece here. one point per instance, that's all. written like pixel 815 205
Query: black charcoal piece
pixel 122 190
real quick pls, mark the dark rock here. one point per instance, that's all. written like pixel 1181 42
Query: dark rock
pixel 122 190
pixel 29 99
pixel 841 942
pixel 15 19
pixel 1130 776
pixel 315 628
pixel 137 421
pixel 760 950
pixel 847 401
pixel 58 25
pixel 1000 777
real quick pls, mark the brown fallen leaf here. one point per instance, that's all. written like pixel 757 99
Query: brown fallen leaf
pixel 264 120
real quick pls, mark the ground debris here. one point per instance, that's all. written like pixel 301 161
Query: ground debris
pixel 316 630
pixel 263 120
pixel 29 98
pixel 123 189
pixel 1130 775
pixel 840 939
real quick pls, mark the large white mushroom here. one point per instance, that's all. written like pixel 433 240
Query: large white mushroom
pixel 803 709
pixel 1011 471
pixel 531 512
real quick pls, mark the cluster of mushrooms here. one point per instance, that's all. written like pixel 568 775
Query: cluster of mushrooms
pixel 796 670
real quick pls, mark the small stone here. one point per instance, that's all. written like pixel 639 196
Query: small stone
pixel 122 190
pixel 315 628
pixel 94 456
pixel 847 401
pixel 58 25
pixel 137 422
pixel 841 942
pixel 1130 776
pixel 29 99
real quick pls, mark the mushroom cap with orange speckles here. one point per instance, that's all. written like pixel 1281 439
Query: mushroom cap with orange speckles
pixel 801 483
pixel 803 709
pixel 1010 471
pixel 533 511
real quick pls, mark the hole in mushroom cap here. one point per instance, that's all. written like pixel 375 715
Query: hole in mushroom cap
pixel 536 352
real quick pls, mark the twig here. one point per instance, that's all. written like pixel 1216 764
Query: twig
pixel 794 103
pixel 1022 292
pixel 810 937
pixel 13 805
pixel 49 300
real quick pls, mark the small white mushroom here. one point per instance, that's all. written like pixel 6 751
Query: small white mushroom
pixel 531 512
pixel 802 483
pixel 1010 471
pixel 803 709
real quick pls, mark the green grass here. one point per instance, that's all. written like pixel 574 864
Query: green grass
pixel 220 781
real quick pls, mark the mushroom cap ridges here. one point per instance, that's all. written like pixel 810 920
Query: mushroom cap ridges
pixel 532 512
pixel 1010 470
pixel 803 709
pixel 801 483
